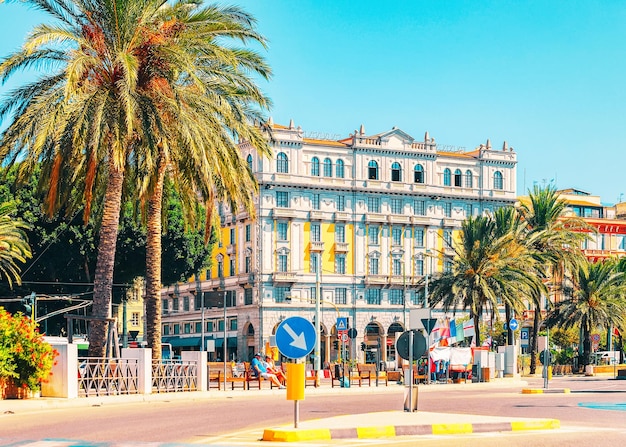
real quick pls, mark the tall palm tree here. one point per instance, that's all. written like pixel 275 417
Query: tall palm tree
pixel 554 239
pixel 597 299
pixel 111 104
pixel 13 243
pixel 201 124
pixel 488 269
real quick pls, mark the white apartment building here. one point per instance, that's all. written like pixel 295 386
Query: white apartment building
pixel 364 221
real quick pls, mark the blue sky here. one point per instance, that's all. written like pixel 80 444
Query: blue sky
pixel 546 76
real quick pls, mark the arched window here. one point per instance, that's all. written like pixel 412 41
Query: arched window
pixel 418 174
pixel 372 170
pixel 328 167
pixel 498 181
pixel 339 170
pixel 447 177
pixel 457 178
pixel 468 179
pixel 396 172
pixel 282 163
pixel 315 166
pixel 249 161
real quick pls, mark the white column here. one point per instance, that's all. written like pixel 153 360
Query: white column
pixel 200 358
pixel 64 379
pixel 144 367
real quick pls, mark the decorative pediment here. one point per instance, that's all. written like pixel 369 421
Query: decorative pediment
pixel 395 137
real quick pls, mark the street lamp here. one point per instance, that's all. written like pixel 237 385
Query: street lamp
pixel 318 331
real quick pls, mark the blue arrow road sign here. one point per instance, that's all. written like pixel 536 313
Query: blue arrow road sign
pixel 342 323
pixel 295 337
pixel 513 324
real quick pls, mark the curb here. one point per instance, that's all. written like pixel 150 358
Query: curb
pixel 545 391
pixel 324 434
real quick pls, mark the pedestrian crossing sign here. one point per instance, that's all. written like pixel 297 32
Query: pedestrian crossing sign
pixel 342 323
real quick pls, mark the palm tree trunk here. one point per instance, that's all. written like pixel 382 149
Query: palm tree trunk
pixel 103 277
pixel 534 342
pixel 509 332
pixel 153 266
pixel 477 329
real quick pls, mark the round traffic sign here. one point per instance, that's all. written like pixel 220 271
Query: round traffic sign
pixel 419 345
pixel 295 337
pixel 545 356
pixel 352 333
pixel 513 324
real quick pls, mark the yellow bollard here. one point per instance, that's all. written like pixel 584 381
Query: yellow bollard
pixel 295 381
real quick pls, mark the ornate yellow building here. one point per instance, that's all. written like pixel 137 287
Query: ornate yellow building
pixel 364 220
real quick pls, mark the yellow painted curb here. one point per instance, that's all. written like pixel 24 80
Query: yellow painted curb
pixel 531 391
pixel 376 432
pixel 544 424
pixel 451 429
pixel 542 391
pixel 282 435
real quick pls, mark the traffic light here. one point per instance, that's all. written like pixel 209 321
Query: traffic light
pixel 335 344
pixel 27 304
pixel 362 346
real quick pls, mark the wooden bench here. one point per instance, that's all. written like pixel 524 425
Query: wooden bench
pixel 367 371
pixel 336 376
pixel 252 377
pixel 216 375
pixel 417 377
pixel 310 378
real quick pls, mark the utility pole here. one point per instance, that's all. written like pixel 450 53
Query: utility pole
pixel 318 330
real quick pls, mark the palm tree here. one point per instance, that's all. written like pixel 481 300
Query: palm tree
pixel 488 268
pixel 201 124
pixel 111 104
pixel 554 239
pixel 597 299
pixel 13 243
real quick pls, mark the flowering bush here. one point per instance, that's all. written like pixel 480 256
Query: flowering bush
pixel 25 357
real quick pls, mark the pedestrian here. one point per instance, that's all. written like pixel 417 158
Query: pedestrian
pixel 259 369
pixel 273 369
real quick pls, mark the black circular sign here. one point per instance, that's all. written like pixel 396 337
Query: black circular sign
pixel 542 357
pixel 419 345
pixel 352 332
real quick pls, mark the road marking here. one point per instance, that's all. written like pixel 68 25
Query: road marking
pixel 603 406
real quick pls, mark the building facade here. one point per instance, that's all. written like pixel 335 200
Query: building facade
pixel 362 222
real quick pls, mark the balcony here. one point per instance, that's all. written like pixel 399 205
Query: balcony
pixel 397 280
pixel 374 280
pixel 341 247
pixel 316 215
pixel 245 278
pixel 231 249
pixel 342 216
pixel 317 246
pixel 283 213
pixel 375 217
pixel 399 219
pixel 284 277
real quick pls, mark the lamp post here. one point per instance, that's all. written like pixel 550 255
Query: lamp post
pixel 318 331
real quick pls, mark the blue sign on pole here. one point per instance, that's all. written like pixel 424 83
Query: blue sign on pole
pixel 513 324
pixel 342 323
pixel 295 337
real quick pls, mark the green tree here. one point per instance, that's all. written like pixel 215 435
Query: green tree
pixel 13 243
pixel 554 238
pixel 111 104
pixel 597 299
pixel 488 268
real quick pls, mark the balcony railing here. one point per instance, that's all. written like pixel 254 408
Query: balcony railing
pixel 284 276
pixel 341 247
pixel 317 246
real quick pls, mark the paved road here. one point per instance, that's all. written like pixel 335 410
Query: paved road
pixel 590 414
